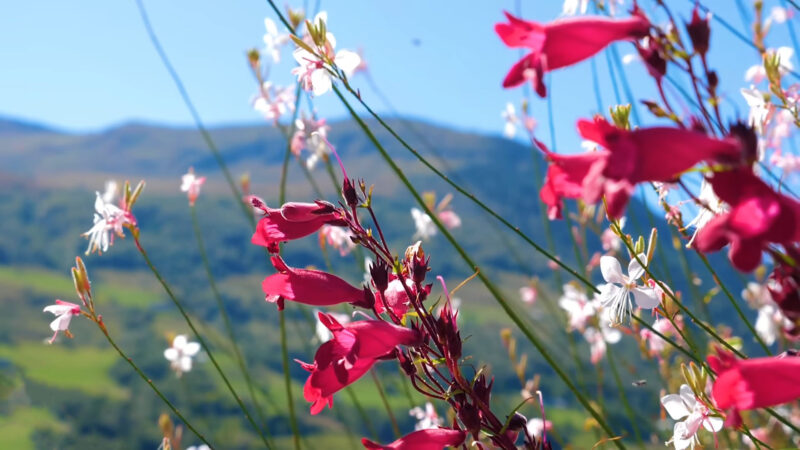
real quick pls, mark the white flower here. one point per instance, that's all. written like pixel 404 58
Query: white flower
pixel 315 73
pixel 579 308
pixel 713 206
pixel 273 40
pixel 615 294
pixel 190 183
pixel 509 115
pixel 760 108
pixel 423 223
pixel 274 101
pixel 535 426
pixel 690 413
pixel 426 418
pixel 201 447
pixel 109 220
pixel 528 294
pixel 597 339
pixel 63 312
pixel 770 320
pixel 181 353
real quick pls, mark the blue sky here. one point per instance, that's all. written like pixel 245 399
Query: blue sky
pixel 88 65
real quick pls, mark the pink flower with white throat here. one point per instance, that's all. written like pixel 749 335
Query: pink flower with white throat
pixel 691 413
pixel 190 183
pixel 63 312
pixel 181 353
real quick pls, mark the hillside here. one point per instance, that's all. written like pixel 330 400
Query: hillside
pixel 81 395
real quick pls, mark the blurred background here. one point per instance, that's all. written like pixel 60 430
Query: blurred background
pixel 85 98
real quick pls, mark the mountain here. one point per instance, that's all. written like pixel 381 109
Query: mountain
pixel 48 179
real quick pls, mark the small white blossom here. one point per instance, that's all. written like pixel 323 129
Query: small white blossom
pixel 109 220
pixel 578 307
pixel 63 312
pixel 509 115
pixel 181 353
pixel 426 418
pixel 423 223
pixel 713 206
pixel 273 40
pixel 615 294
pixel 690 414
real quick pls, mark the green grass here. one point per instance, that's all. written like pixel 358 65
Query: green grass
pixel 122 288
pixel 83 369
pixel 16 430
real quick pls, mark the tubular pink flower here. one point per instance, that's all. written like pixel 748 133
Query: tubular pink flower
pixel 430 439
pixel 758 216
pixel 628 157
pixel 355 347
pixel 753 383
pixel 562 43
pixel 293 221
pixel 311 287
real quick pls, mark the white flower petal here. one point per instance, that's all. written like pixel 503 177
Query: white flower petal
pixel 61 322
pixel 320 82
pixel 347 61
pixel 179 342
pixel 675 407
pixel 611 270
pixel 646 298
pixel 191 349
pixel 635 270
pixel 713 424
pixel 171 354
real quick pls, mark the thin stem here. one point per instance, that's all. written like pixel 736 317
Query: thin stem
pixel 361 412
pixel 382 394
pixel 481 274
pixel 226 319
pixel 625 403
pixel 199 336
pixel 152 385
pixel 192 110
pixel 287 381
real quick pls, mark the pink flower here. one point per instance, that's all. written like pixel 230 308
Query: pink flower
pixel 528 294
pixel 191 185
pixel 449 219
pixel 629 157
pixel 753 383
pixel 758 216
pixel 293 221
pixel 561 43
pixel 396 298
pixel 355 347
pixel 430 439
pixel 109 221
pixel 311 287
pixel 63 312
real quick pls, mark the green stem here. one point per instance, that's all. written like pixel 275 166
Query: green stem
pixel 481 275
pixel 382 394
pixel 199 337
pixel 287 381
pixel 623 396
pixel 361 412
pixel 227 320
pixel 152 385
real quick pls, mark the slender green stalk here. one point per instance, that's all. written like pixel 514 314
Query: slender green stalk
pixel 382 394
pixel 199 337
pixel 361 412
pixel 226 320
pixel 481 274
pixel 623 396
pixel 192 110
pixel 288 381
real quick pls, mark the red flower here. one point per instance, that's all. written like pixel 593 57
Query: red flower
pixel 758 216
pixel 629 157
pixel 293 221
pixel 753 383
pixel 562 43
pixel 355 347
pixel 430 439
pixel 311 287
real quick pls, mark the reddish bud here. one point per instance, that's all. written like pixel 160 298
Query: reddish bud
pixel 699 32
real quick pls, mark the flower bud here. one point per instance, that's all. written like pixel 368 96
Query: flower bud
pixel 406 363
pixel 379 272
pixel 471 418
pixel 349 193
pixel 699 32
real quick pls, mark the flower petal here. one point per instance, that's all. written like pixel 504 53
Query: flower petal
pixel 611 270
pixel 675 406
pixel 646 298
pixel 635 270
